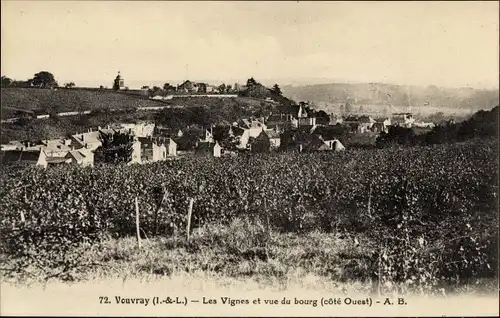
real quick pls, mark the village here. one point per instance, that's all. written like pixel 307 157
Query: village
pixel 299 128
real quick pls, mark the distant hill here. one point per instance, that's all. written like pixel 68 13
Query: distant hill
pixel 396 95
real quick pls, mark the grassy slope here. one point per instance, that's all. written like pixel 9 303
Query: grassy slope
pixel 68 100
pixel 242 255
pixel 79 99
pixel 61 100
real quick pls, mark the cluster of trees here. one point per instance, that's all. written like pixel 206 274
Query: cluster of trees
pixel 115 148
pixel 483 124
pixel 41 79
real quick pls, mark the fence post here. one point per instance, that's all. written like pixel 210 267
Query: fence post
pixel 137 222
pixel 190 211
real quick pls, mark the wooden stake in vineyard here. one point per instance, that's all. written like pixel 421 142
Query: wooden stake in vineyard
pixel 137 223
pixel 190 211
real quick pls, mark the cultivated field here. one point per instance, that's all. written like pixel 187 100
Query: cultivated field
pixel 418 220
pixel 66 100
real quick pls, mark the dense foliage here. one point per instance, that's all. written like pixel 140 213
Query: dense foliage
pixel 116 148
pixel 483 124
pixel 433 205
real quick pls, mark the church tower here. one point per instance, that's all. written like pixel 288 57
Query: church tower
pixel 119 83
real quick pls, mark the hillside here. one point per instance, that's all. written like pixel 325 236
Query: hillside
pixel 395 95
pixel 201 111
pixel 62 100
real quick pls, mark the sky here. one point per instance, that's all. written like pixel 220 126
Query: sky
pixel 450 44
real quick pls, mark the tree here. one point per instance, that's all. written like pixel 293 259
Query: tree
pixel 145 87
pixel 69 85
pixel 115 148
pixel 44 79
pixel 6 81
pixel 322 117
pixel 251 82
pixel 229 88
pixel 168 87
pixel 276 90
pixel 222 88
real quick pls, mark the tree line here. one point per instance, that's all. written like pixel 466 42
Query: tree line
pixel 483 124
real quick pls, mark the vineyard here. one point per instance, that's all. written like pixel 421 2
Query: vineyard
pixel 425 216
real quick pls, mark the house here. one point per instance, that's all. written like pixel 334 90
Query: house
pixel 261 143
pixel 402 119
pixel 209 137
pixel 274 138
pixel 360 124
pixel 367 121
pixel 142 129
pixel 227 135
pixel 57 147
pixel 312 145
pixel 136 152
pixel 423 125
pixel 381 124
pixel 202 87
pixel 278 122
pixel 308 121
pixel 56 161
pixel 335 119
pixel 89 140
pixel 81 157
pixel 157 149
pixel 328 133
pixel 188 87
pixel 209 149
pixel 334 144
pixel 247 134
pixel 12 145
pixel 33 157
pixel 252 128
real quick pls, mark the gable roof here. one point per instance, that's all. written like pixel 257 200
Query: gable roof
pixel 19 156
pixel 315 144
pixel 272 134
pixel 204 146
pixel 149 141
pixel 89 137
pixel 75 154
pixel 276 118
pixel 327 133
pixel 56 159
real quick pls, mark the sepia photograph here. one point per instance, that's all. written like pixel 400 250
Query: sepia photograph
pixel 249 158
